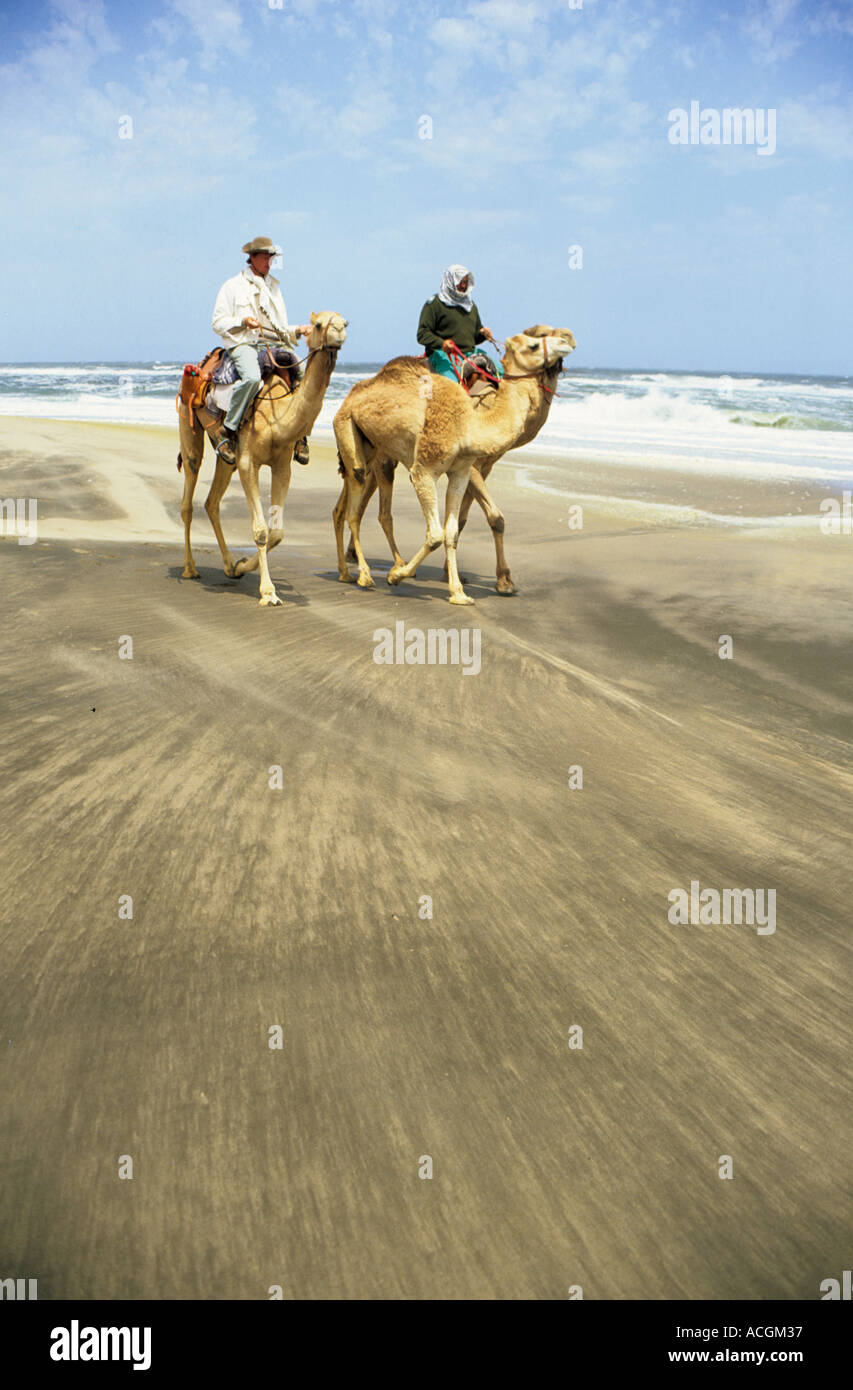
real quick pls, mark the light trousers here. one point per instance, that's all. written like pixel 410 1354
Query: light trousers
pixel 246 361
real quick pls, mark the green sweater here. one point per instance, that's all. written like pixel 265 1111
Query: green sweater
pixel 439 321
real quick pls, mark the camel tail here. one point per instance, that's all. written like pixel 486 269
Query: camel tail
pixel 356 441
pixel 180 461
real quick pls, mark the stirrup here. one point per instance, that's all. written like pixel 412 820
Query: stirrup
pixel 227 442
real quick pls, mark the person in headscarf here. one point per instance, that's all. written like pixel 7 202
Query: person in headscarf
pixel 450 324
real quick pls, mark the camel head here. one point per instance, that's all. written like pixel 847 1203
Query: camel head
pixel 536 348
pixel 328 330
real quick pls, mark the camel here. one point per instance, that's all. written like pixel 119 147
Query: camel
pixel 382 476
pixel 426 422
pixel 267 436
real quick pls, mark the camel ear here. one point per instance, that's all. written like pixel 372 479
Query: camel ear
pixel 314 318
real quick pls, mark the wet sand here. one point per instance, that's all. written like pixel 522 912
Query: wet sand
pixel 299 907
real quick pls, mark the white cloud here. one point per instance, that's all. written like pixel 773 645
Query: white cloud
pixel 818 125
pixel 770 30
pixel 217 28
pixel 831 20
pixel 68 162
pixel 459 34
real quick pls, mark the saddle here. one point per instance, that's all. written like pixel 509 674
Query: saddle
pixel 218 368
pixel 473 383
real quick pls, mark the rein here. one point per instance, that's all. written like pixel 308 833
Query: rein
pixel 275 379
pixel 324 347
pixel 457 355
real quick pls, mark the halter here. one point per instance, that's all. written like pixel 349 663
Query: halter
pixel 324 347
pixel 538 374
pixel 276 380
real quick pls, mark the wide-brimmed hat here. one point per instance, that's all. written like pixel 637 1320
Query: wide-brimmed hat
pixel 262 243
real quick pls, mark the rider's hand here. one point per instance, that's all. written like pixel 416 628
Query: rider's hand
pixel 304 329
pixel 487 333
pixel 448 344
pixel 249 322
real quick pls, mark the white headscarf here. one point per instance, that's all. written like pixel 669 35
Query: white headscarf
pixel 449 294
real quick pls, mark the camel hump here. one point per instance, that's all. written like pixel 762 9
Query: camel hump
pixel 399 373
pixel 403 366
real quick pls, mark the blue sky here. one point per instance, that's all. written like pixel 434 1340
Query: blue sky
pixel 549 130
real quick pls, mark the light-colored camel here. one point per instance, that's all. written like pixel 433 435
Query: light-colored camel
pixel 427 423
pixel 267 436
pixel 382 476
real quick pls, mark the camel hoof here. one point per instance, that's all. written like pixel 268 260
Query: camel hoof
pixel 505 586
pixel 346 578
pixel 364 581
pixel 394 577
pixel 269 601
pixel 238 569
pixel 189 573
pixel 460 598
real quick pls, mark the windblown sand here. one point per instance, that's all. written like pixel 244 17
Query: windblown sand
pixel 299 907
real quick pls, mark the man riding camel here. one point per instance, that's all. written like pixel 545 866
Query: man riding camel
pixel 248 313
pixel 450 326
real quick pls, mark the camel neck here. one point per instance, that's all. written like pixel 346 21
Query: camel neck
pixel 516 406
pixel 304 406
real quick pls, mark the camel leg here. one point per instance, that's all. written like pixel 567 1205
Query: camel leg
pixel 369 489
pixel 279 488
pixel 495 518
pixel 249 477
pixel 192 452
pixel 457 482
pixel 218 488
pixel 385 478
pixel 357 473
pixel 355 511
pixel 278 494
pixel 467 500
pixel 424 485
pixel 339 516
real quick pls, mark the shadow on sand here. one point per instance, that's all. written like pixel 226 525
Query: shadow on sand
pixel 217 581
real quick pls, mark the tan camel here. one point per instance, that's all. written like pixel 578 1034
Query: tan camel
pixel 426 422
pixel 382 476
pixel 267 436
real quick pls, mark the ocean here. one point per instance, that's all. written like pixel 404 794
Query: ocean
pixel 750 426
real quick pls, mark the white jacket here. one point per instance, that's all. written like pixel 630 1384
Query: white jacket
pixel 248 295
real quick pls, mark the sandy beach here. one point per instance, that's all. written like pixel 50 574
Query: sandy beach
pixel 405 1036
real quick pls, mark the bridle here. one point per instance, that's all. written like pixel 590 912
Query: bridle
pixel 276 379
pixel 539 374
pixel 324 347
